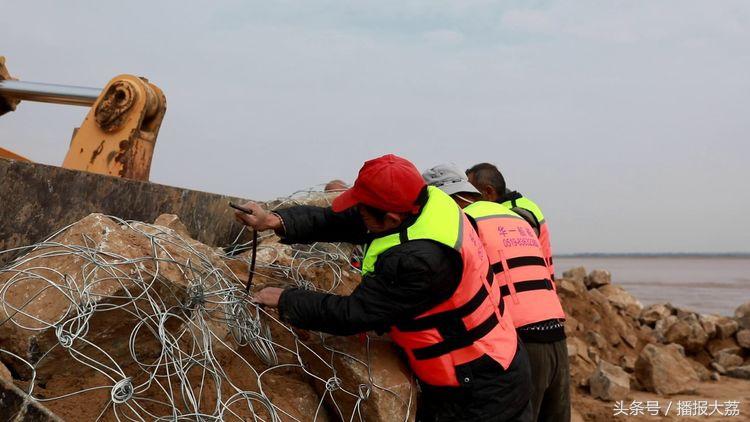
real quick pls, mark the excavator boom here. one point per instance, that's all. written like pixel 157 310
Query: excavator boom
pixel 118 135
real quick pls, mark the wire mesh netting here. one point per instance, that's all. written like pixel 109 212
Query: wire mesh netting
pixel 120 320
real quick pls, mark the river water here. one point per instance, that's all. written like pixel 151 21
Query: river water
pixel 715 285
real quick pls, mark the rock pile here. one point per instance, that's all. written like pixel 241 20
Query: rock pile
pixel 661 348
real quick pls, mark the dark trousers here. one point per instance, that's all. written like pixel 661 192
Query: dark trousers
pixel 550 379
pixel 493 394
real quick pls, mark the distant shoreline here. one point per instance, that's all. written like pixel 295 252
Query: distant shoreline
pixel 739 255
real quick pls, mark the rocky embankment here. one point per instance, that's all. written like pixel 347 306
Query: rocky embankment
pixel 624 356
pixel 114 320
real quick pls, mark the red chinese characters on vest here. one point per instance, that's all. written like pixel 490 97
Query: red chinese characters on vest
pixel 518 263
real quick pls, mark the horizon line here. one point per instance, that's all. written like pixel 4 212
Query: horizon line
pixel 654 254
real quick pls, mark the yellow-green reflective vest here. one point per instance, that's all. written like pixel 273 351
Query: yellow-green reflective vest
pixel 544 237
pixel 487 209
pixel 527 204
pixel 440 221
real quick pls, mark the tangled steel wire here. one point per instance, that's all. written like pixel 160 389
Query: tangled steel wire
pixel 118 320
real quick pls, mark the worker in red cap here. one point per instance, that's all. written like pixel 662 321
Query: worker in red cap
pixel 426 280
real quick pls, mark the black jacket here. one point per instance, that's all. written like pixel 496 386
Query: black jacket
pixel 408 280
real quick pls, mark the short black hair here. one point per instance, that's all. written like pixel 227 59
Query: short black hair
pixel 488 174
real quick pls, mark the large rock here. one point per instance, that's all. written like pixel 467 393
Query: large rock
pixel 304 197
pixel 708 322
pixel 173 222
pixel 687 332
pixel 717 345
pixel 598 297
pixel 728 360
pixel 662 327
pixel 627 363
pixel 595 339
pixel 300 266
pixel 576 274
pixel 742 313
pixel 594 354
pixel 609 382
pixel 571 287
pixel 743 338
pixel 195 326
pixel 577 349
pixel 91 265
pixel 621 299
pixel 623 330
pixel 742 372
pixel 598 278
pixel 120 295
pixel 665 370
pixel 581 363
pixel 726 327
pixel 386 388
pixel 293 395
pixel 703 357
pixel 703 373
pixel 654 313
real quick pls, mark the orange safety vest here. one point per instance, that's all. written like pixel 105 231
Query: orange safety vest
pixel 468 325
pixel 519 201
pixel 518 263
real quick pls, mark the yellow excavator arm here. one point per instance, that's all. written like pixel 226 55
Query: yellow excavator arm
pixel 105 171
pixel 118 135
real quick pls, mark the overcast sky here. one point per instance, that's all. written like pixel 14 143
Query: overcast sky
pixel 627 121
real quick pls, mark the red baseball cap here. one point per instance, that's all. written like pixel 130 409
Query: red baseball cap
pixel 389 183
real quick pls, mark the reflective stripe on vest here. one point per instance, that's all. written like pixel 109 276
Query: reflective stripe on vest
pixel 469 324
pixel 544 238
pixel 517 262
